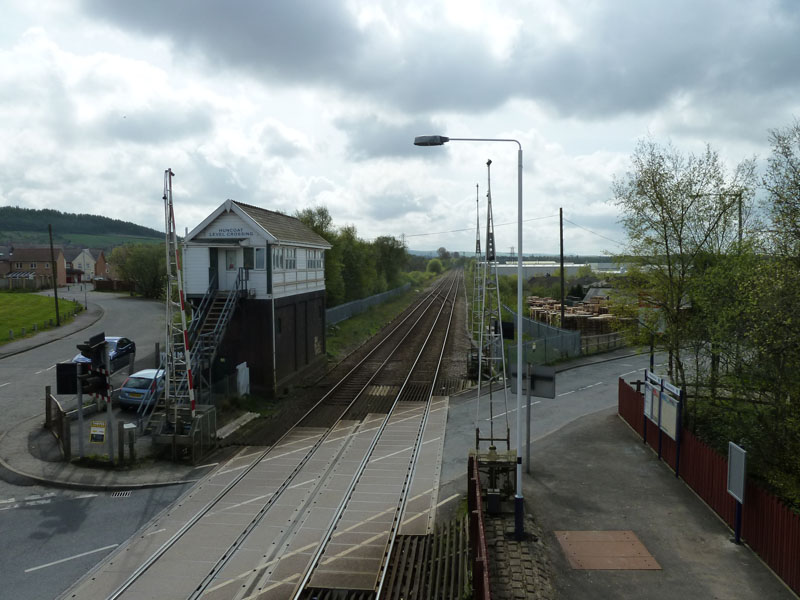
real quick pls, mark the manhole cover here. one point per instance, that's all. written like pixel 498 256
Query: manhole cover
pixel 598 550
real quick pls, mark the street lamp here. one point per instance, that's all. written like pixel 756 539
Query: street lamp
pixel 438 140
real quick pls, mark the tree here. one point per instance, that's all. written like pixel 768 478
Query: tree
pixel 144 265
pixel 358 266
pixel 390 259
pixel 319 220
pixel 782 181
pixel 678 211
pixel 435 266
pixel 443 253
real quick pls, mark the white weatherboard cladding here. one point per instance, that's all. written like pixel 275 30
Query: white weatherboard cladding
pixel 228 226
pixel 287 282
pixel 195 269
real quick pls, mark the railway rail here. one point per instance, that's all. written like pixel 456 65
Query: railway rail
pixel 318 512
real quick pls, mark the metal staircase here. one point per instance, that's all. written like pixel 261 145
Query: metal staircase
pixel 211 320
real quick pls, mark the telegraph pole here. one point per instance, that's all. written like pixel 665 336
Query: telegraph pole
pixel 55 273
pixel 561 237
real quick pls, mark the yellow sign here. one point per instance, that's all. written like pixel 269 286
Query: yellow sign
pixel 97 432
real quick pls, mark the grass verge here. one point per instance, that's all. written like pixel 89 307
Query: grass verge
pixel 348 335
pixel 24 314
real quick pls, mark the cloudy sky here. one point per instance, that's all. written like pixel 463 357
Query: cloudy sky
pixel 296 104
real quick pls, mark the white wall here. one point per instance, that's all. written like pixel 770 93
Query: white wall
pixel 195 269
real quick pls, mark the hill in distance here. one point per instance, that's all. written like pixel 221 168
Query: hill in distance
pixel 29 226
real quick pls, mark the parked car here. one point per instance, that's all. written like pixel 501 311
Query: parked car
pixel 120 349
pixel 141 389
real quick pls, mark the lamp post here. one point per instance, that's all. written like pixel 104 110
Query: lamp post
pixel 439 140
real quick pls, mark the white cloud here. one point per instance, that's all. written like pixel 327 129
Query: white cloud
pixel 289 105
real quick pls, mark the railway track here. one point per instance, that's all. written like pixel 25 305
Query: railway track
pixel 316 514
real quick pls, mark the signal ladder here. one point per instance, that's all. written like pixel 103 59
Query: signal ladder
pixel 179 388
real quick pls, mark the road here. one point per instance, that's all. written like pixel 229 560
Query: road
pixel 579 391
pixel 50 536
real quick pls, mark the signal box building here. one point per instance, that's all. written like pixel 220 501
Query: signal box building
pixel 256 280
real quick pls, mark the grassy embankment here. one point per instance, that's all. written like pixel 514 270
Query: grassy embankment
pixel 346 336
pixel 23 310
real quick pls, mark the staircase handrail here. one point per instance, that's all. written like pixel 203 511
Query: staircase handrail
pixel 211 339
pixel 199 315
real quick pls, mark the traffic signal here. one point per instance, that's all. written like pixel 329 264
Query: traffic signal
pixel 94 349
pixel 93 383
pixel 66 382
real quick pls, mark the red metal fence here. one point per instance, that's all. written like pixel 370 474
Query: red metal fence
pixel 479 553
pixel 769 527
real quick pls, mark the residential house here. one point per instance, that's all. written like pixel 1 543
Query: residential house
pixel 102 270
pixel 35 264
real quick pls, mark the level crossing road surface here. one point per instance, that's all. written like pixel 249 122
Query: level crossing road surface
pixel 320 508
pixel 283 541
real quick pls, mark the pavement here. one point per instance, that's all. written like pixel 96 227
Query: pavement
pixel 29 453
pixel 593 475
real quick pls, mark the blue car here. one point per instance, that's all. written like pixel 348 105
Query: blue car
pixel 120 349
pixel 141 389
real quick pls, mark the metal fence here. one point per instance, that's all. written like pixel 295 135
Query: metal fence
pixel 340 313
pixel 769 527
pixel 593 344
pixel 551 343
pixel 56 421
pixel 479 553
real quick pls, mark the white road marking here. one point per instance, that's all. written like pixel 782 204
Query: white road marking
pixel 156 531
pixel 82 554
pixel 511 411
pixel 204 466
pixel 629 373
pixel 586 387
pixel 566 393
pixel 37 499
pixel 374 460
pixel 5 384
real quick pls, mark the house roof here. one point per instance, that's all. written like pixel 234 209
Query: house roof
pixel 284 228
pixel 276 226
pixel 34 254
pixel 71 254
pixel 21 275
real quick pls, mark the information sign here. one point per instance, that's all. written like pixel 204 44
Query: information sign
pixel 737 459
pixel 669 416
pixel 97 432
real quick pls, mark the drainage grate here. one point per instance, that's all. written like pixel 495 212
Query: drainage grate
pixel 124 494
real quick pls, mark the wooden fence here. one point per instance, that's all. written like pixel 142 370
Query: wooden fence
pixel 769 527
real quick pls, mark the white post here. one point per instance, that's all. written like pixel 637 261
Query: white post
pixel 519 526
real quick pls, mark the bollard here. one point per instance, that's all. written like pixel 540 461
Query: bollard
pixel 121 441
pixel 35 327
pixel 11 334
pixel 127 432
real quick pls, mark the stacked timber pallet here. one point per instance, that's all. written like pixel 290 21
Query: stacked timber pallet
pixel 590 318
